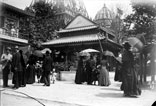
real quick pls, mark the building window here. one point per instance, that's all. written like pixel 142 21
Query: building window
pixel 11 27
pixel 9 23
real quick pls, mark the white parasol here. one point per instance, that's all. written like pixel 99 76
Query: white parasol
pixel 46 49
pixel 84 54
pixel 108 53
pixel 89 50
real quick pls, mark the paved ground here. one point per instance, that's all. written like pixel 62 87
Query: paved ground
pixel 66 93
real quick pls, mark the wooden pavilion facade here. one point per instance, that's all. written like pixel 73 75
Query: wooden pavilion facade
pixel 81 33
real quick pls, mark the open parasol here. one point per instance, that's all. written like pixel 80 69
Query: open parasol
pixel 89 50
pixel 135 43
pixel 119 58
pixel 108 53
pixel 38 53
pixel 84 54
pixel 25 49
pixel 46 49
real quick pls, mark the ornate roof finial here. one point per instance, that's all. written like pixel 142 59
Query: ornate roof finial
pixel 104 5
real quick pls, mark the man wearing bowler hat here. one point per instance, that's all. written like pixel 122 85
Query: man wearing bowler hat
pixel 47 67
pixel 16 68
pixel 6 65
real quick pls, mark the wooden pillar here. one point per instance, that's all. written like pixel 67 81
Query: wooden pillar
pixel 145 67
pixel 141 68
pixel 1 49
pixel 66 61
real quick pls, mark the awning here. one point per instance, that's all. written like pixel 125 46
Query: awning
pixel 14 39
pixel 74 39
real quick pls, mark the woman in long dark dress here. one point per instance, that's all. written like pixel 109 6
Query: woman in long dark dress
pixel 118 74
pixel 30 71
pixel 24 60
pixel 79 71
pixel 129 75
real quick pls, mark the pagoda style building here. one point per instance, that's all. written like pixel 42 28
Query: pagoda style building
pixel 81 33
pixel 67 9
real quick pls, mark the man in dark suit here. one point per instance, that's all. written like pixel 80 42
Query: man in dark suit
pixel 17 68
pixel 47 67
pixel 24 60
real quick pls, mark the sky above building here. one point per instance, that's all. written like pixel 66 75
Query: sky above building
pixel 92 6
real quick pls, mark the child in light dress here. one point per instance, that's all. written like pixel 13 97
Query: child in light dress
pixel 53 76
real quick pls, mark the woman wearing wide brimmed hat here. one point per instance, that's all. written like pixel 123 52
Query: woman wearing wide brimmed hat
pixel 129 75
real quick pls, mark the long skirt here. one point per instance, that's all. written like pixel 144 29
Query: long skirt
pixel 30 74
pixel 104 77
pixel 130 82
pixel 78 77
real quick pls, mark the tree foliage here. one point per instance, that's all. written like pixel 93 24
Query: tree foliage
pixel 142 19
pixel 117 24
pixel 43 25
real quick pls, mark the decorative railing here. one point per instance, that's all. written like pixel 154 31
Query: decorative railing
pixel 14 33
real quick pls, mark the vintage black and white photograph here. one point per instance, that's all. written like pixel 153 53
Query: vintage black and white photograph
pixel 77 52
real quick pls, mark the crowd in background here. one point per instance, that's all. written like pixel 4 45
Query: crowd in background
pixel 24 68
pixel 91 69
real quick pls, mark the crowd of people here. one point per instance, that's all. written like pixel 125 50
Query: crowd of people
pixel 90 70
pixel 25 67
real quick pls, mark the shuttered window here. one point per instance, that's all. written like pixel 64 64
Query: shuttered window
pixel 1 21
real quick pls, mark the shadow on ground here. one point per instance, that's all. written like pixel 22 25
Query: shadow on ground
pixel 111 89
pixel 110 95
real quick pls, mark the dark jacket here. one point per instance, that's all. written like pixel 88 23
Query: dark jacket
pixel 47 63
pixel 16 62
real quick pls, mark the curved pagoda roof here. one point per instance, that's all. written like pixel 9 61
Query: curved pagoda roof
pixel 79 24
